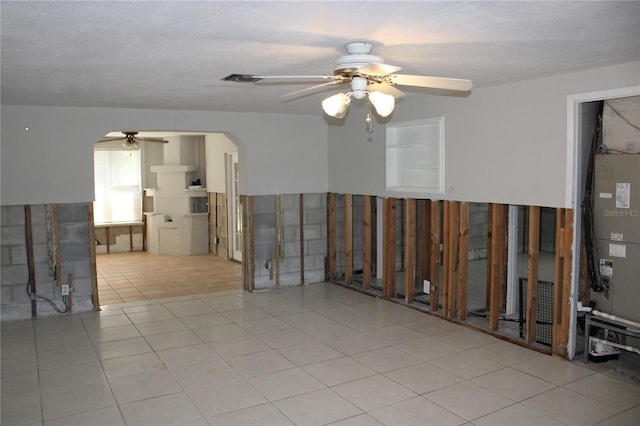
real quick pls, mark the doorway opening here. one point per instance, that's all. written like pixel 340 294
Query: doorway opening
pixel 185 196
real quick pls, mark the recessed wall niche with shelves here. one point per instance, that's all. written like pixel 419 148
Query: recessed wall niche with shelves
pixel 415 156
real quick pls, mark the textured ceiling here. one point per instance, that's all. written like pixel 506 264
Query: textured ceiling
pixel 173 54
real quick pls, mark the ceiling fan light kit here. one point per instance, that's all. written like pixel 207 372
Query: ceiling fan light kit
pixel 370 78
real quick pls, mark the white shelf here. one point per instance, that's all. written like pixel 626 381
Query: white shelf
pixel 415 156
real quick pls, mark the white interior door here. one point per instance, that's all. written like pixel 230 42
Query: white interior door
pixel 235 208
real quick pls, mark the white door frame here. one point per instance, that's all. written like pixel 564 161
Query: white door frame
pixel 573 197
pixel 235 250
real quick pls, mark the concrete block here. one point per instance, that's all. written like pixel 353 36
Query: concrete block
pixel 315 216
pixel 18 254
pixel 40 253
pixel 315 276
pixel 14 274
pixel 73 213
pixel 263 204
pixel 13 235
pixel 70 252
pixel 292 249
pixel 290 202
pixel 291 233
pixel 19 294
pixel 312 232
pixel 291 217
pixel 39 214
pixel 79 270
pixel 13 216
pixel 6 294
pixel 5 255
pixel 316 247
pixel 264 236
pixel 292 264
pixel 263 220
pixel 261 254
pixel 314 201
pixel 73 232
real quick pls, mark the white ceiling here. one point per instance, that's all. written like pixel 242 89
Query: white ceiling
pixel 173 54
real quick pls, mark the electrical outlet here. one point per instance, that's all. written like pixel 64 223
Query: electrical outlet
pixel 426 287
pixel 65 289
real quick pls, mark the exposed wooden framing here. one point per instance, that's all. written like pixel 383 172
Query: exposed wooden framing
pixel 489 254
pixel 562 281
pixel 108 234
pixel 271 266
pixel 463 261
pixel 497 265
pixel 409 249
pixel 389 248
pixel 348 238
pixel 376 263
pixel 95 296
pixel 248 253
pixel 332 251
pixel 451 259
pixel 505 253
pixel 56 240
pixel 301 221
pixel 366 242
pixel 30 258
pixel 434 265
pixel 278 242
pixel 213 222
pixel 532 276
pixel 70 295
pixel 144 221
pixel 422 241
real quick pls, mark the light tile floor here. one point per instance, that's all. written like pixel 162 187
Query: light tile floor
pixel 130 277
pixel 313 355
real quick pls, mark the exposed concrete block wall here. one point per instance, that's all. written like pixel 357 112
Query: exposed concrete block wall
pixel 122 239
pixel 315 236
pixel 290 265
pixel 478 231
pixel 284 267
pixel 264 239
pixel 74 255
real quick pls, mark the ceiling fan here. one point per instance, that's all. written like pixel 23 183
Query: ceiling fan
pixel 130 140
pixel 368 76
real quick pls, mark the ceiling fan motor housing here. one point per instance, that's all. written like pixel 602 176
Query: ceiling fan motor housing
pixel 359 56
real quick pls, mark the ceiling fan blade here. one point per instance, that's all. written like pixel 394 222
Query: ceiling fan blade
pixel 378 69
pixel 387 89
pixel 111 139
pixel 431 82
pixel 317 86
pixel 251 78
pixel 152 140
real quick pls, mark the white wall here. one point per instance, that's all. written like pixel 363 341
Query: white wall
pixel 52 162
pixel 504 144
pixel 216 146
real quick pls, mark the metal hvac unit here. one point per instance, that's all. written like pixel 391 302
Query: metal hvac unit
pixel 617 229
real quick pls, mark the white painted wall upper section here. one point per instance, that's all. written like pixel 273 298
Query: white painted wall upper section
pixel 216 146
pixel 503 144
pixel 52 161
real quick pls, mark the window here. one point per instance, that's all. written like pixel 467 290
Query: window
pixel 118 181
